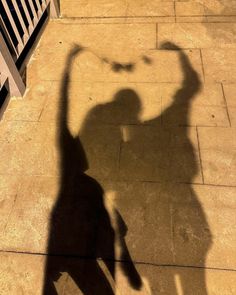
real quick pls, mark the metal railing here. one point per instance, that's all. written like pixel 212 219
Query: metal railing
pixel 18 21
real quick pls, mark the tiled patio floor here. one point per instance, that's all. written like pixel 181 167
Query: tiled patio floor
pixel 152 120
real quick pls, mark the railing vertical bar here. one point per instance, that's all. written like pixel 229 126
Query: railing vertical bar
pixel 3 79
pixel 13 24
pixel 25 30
pixel 44 4
pixel 33 11
pixel 27 14
pixel 39 7
pixel 54 8
pixel 8 67
pixel 8 36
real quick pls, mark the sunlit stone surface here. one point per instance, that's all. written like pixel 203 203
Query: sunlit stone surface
pixel 139 174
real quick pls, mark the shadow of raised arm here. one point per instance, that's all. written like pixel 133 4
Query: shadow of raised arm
pixel 191 84
pixel 70 147
pixel 63 111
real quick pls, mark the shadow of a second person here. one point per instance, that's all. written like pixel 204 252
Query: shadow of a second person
pixel 157 165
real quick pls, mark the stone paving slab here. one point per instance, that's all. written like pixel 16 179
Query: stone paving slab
pixel 28 225
pixel 189 222
pixel 220 7
pixel 117 8
pixel 195 234
pixel 43 156
pixel 216 199
pixel 21 274
pixel 159 160
pixel 218 155
pixel 89 68
pixel 199 116
pixel 192 35
pixel 190 8
pixel 8 195
pixel 201 10
pixel 36 153
pixel 219 65
pixel 148 8
pixel 229 91
pixel 27 272
pixel 168 281
pixel 84 96
pixel 178 224
pixel 30 107
pixel 154 97
pixel 114 37
pixel 206 7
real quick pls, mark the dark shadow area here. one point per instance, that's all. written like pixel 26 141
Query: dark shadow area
pixel 32 42
pixel 119 67
pixel 155 196
pixel 3 95
pixel 176 160
pixel 127 67
pixel 80 224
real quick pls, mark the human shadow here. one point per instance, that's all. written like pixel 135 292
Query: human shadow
pixel 158 165
pixel 80 227
pixel 176 163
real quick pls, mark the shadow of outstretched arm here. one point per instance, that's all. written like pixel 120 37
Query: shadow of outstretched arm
pixel 191 83
pixel 64 110
pixel 70 147
pixel 190 86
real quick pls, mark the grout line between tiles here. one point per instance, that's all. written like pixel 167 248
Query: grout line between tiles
pixel 203 71
pixel 227 109
pixel 75 256
pixel 200 156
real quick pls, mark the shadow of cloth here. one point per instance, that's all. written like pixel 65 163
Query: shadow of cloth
pixel 80 226
pixel 160 151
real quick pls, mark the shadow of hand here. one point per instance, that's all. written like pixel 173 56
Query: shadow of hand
pixel 76 50
pixel 169 46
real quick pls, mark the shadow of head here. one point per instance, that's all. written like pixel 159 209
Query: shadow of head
pixel 128 103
